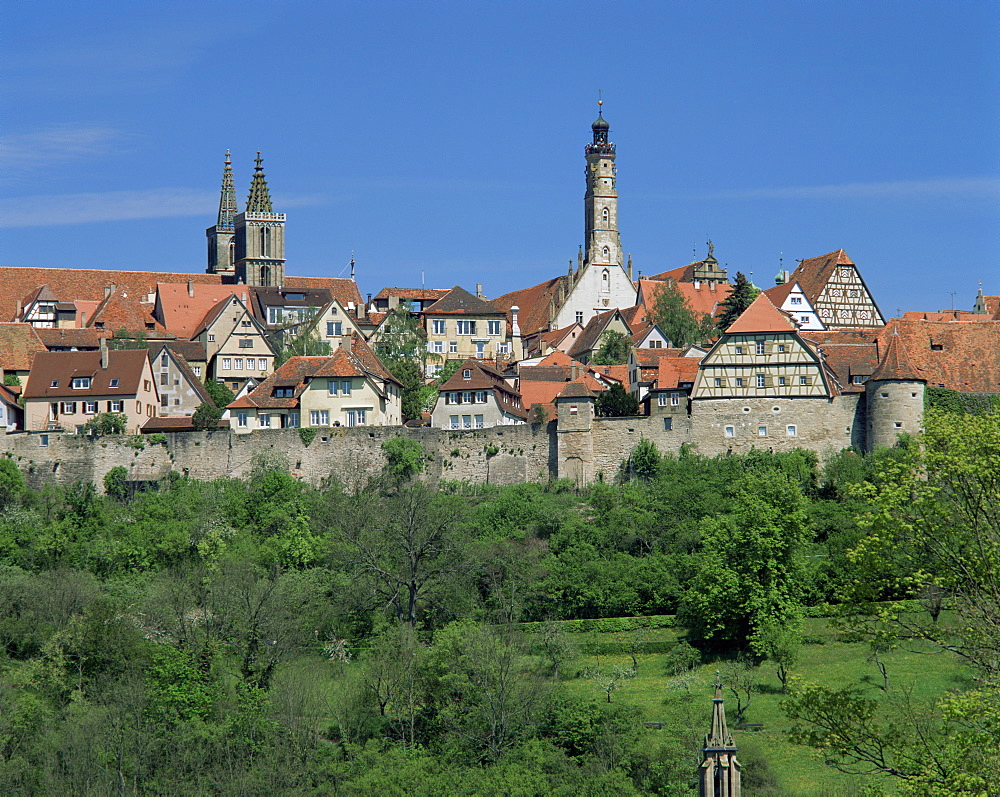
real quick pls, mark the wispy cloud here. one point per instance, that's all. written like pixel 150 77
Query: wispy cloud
pixel 968 188
pixel 158 203
pixel 27 151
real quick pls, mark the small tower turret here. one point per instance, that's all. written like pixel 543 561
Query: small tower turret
pixel 720 774
pixel 894 397
pixel 260 236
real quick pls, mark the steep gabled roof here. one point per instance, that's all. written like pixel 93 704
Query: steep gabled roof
pixel 80 339
pixel 813 273
pixel 596 326
pixel 533 304
pixel 19 343
pixel 182 313
pixel 895 364
pixel 703 300
pixel 183 367
pixel 761 316
pixel 122 310
pixel 459 301
pixel 412 294
pixel 576 390
pixel 481 375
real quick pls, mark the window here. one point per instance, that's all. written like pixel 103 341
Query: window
pixel 68 408
pixel 656 344
pixel 331 386
pixel 782 381
pixel 437 347
pixel 761 431
pixel 730 431
pixel 790 430
pixel 261 364
pixel 274 315
pixel 146 385
pixel 718 382
pixel 605 281
pixel 796 300
pixel 761 380
pixel 81 382
pixel 452 347
pixel 293 420
pixel 238 364
pixel 803 380
pixel 898 424
pixel 284 392
pixel 467 397
pixel 245 323
pixel 438 326
pixel 480 397
pixel 466 327
pixel 454 421
pixel 43 440
pixel 345 387
pixel 675 399
pixel 246 343
pixel 579 317
pixel 466 421
pixel 781 348
pixel 857 379
pixel 761 349
pixel 668 424
pixel 264 421
pixel 493 327
pixel 164 400
pixel 479 421
pixel 196 369
pixel 165 378
pixel 661 400
pixel 54 383
pixel 739 350
pixel 164 360
pixel 319 418
pixel 605 216
pixel 466 373
pixel 90 407
pixel 113 383
pixel 480 349
pixel 503 348
pixel 739 381
pixel 211 337
pixel 334 329
pixel 355 417
pixel 227 364
pixel 115 406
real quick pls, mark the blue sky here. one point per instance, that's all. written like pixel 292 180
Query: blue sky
pixel 446 139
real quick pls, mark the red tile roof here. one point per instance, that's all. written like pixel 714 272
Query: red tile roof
pixel 459 301
pixel 182 314
pixel 533 304
pixel 702 300
pixel 80 339
pixel 19 343
pixel 762 316
pixel 813 273
pixel 127 366
pixel 412 294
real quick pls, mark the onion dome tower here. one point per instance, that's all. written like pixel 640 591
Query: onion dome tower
pixel 603 245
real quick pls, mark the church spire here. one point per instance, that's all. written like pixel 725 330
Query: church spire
pixel 259 200
pixel 720 771
pixel 227 201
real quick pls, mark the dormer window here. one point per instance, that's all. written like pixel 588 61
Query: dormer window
pixel 284 392
pixel 54 383
pixel 81 383
pixel 466 373
pixel 113 383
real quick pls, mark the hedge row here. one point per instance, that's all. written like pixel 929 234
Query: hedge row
pixel 604 625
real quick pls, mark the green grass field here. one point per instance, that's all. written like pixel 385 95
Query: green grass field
pixel 799 770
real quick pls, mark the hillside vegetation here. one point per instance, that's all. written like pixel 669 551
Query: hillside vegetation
pixel 262 636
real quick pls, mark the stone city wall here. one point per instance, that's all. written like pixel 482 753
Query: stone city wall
pixel 590 447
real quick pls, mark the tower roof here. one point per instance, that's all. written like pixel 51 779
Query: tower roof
pixel 895 364
pixel 600 123
pixel 720 737
pixel 227 201
pixel 259 199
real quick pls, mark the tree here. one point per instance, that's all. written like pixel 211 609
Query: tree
pixel 128 339
pixel 300 340
pixel 206 417
pixel 116 483
pixel 11 482
pixel 12 380
pixel 780 643
pixel 740 298
pixel 614 350
pixel 106 423
pixel 404 457
pixel 401 346
pixel 616 403
pixel 749 569
pixel 221 395
pixel 643 463
pixel 675 318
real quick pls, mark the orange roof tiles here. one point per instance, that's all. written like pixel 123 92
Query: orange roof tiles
pixel 533 304
pixel 813 273
pixel 182 313
pixel 761 316
pixel 60 367
pixel 19 343
pixel 702 300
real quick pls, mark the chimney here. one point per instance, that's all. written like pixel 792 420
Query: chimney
pixel 191 288
pixel 515 330
pixel 109 289
pixel 711 286
pixel 83 319
pixel 104 354
pixel 347 342
pixel 244 297
pixel 479 290
pixel 572 373
pixel 17 316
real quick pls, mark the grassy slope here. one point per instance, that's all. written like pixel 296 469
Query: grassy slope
pixel 799 770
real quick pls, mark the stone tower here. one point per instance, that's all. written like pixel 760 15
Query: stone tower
pixel 720 772
pixel 603 245
pixel 574 431
pixel 260 237
pixel 221 244
pixel 894 395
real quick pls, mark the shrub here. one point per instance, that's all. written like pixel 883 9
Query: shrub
pixel 206 417
pixel 307 435
pixel 106 423
pixel 404 457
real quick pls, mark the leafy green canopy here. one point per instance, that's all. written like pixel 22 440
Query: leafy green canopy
pixel 672 313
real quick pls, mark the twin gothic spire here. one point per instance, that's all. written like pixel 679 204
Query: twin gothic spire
pixel 258 200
